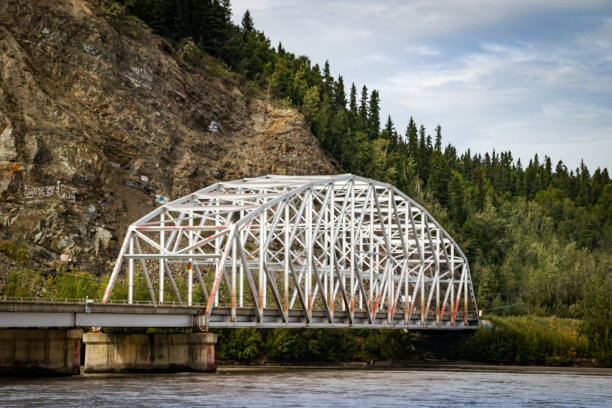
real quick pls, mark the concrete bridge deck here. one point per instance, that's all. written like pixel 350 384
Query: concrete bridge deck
pixel 15 313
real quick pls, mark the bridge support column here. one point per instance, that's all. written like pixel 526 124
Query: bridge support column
pixel 107 353
pixel 44 352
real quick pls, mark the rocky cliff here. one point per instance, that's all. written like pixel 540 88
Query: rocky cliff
pixel 97 127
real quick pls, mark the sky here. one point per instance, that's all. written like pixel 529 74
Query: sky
pixel 529 76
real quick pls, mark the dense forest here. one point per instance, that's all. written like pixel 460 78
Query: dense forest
pixel 538 235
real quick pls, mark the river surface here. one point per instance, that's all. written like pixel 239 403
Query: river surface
pixel 307 387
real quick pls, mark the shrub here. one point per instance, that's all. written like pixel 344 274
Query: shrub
pixel 528 340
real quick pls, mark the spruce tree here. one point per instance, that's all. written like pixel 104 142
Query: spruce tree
pixel 530 180
pixel 547 173
pixel 412 137
pixel 353 113
pixel 339 94
pixel 363 110
pixel 422 157
pixel 520 179
pixel 480 191
pixel 247 22
pixel 560 178
pixel 315 77
pixel 438 145
pixel 438 177
pixel 584 184
pixel 389 131
pixel 328 81
pixel 374 116
pixel 456 199
pixel 597 185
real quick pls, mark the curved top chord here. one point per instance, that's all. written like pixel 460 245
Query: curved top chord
pixel 294 251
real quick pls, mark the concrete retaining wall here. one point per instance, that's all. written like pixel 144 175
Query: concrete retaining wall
pixel 45 352
pixel 106 353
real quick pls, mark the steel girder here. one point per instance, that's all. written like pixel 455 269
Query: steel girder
pixel 336 251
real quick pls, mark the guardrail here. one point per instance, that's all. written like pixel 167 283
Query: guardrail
pixel 39 299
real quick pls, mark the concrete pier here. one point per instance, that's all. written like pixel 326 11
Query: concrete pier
pixel 150 353
pixel 45 352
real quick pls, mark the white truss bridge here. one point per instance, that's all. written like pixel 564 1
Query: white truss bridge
pixel 299 251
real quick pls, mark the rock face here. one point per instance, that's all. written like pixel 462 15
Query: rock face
pixel 97 127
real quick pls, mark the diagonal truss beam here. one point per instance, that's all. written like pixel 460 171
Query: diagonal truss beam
pixel 345 247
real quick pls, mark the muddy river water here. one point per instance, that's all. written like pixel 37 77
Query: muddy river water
pixel 308 387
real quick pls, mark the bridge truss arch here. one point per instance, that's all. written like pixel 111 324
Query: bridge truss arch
pixel 300 251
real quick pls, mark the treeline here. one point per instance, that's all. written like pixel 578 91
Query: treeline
pixel 538 235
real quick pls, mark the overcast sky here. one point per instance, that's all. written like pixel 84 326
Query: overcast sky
pixel 526 76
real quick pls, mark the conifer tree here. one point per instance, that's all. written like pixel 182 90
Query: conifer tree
pixel 389 132
pixel 456 198
pixel 597 184
pixel 547 173
pixel 353 113
pixel 439 176
pixel 438 145
pixel 423 155
pixel 374 115
pixel 530 180
pixel 584 187
pixel 339 94
pixel 363 110
pixel 479 191
pixel 315 76
pixel 328 81
pixel 412 137
pixel 247 22
pixel 560 178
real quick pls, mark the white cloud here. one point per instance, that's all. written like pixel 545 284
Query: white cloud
pixel 423 50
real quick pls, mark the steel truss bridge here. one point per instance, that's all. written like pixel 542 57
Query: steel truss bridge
pixel 293 251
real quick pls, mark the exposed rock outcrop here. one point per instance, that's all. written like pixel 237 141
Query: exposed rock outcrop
pixel 97 126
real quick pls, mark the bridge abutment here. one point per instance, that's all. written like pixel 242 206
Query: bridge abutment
pixel 44 352
pixel 150 353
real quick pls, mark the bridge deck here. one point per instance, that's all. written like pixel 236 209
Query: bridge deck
pixel 21 314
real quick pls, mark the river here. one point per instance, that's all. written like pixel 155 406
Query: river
pixel 308 387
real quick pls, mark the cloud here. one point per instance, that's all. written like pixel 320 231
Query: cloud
pixel 422 50
pixel 582 111
pixel 417 18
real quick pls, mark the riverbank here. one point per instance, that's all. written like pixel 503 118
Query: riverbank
pixel 409 366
